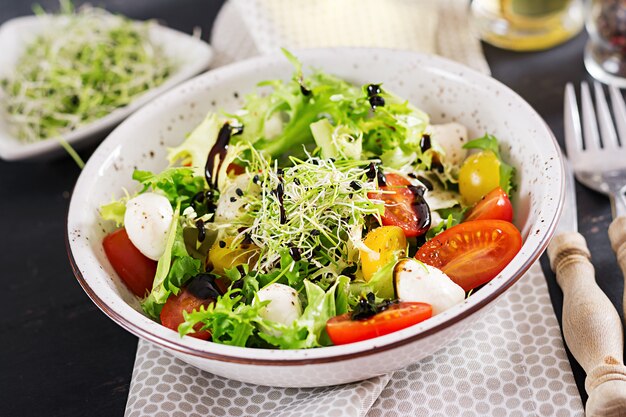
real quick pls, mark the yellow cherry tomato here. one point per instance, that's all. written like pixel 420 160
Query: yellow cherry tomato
pixel 384 241
pixel 479 174
pixel 223 255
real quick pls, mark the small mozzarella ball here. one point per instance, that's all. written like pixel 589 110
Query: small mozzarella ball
pixel 284 306
pixel 147 221
pixel 235 196
pixel 451 137
pixel 423 283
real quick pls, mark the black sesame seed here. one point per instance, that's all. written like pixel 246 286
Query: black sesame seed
pixel 355 185
pixel 222 244
pixel 239 192
pixel 233 199
pixel 255 179
pixel 296 181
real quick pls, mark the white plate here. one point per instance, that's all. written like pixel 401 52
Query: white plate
pixel 190 54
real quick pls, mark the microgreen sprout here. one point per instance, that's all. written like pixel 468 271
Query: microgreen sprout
pixel 324 209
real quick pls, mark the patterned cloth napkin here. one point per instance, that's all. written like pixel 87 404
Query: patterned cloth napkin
pixel 511 363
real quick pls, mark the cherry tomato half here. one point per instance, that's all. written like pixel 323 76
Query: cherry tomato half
pixel 399 208
pixel 494 206
pixel 342 329
pixel 172 312
pixel 134 268
pixel 472 253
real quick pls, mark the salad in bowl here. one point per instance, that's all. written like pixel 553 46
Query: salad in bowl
pixel 342 220
pixel 319 213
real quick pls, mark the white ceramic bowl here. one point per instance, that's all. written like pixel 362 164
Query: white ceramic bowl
pixel 191 56
pixel 446 90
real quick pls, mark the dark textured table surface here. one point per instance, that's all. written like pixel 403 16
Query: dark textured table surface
pixel 60 356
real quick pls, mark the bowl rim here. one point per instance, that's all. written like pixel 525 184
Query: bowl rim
pixel 186 345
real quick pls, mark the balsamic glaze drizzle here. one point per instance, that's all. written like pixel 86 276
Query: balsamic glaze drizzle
pixel 295 253
pixel 373 90
pixel 280 192
pixel 219 149
pixel 201 230
pixel 420 207
pixel 425 142
pixel 426 182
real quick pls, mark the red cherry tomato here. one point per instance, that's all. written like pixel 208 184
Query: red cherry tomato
pixel 172 312
pixel 494 206
pixel 472 253
pixel 342 329
pixel 134 268
pixel 399 208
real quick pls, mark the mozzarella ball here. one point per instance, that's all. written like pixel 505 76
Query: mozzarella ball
pixel 147 220
pixel 284 306
pixel 418 282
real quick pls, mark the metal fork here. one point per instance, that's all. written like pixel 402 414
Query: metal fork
pixel 599 162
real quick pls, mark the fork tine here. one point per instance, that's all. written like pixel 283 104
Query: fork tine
pixel 573 135
pixel 590 124
pixel 607 131
pixel 619 110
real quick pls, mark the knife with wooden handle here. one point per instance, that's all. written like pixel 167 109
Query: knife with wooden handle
pixel 591 325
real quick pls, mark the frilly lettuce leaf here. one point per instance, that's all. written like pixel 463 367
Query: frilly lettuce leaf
pixel 175 183
pixel 337 142
pixel 230 321
pixel 115 211
pixel 194 150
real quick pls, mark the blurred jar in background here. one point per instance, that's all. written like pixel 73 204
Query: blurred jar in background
pixel 527 25
pixel 605 54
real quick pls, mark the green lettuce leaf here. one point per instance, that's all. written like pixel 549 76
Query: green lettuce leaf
pixel 230 321
pixel 153 304
pixel 337 142
pixel 114 211
pixel 178 184
pixel 174 269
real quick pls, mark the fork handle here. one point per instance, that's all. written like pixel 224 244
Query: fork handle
pixel 591 326
pixel 617 235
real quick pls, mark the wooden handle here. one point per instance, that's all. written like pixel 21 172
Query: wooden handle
pixel 617 234
pixel 591 326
